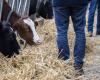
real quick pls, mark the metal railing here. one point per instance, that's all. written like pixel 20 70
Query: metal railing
pixel 20 6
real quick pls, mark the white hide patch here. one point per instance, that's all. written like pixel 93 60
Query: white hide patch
pixel 30 23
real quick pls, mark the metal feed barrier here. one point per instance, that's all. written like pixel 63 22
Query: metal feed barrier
pixel 21 7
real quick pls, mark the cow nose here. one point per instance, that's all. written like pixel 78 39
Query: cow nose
pixel 38 41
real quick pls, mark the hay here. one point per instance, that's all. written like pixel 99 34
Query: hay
pixel 40 62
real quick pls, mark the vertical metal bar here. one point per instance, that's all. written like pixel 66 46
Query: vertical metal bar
pixel 13 4
pixel 18 5
pixel 27 13
pixel 24 7
pixel 20 2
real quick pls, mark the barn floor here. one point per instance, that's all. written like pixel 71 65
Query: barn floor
pixel 39 62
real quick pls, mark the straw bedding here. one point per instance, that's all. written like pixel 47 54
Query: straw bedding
pixel 39 62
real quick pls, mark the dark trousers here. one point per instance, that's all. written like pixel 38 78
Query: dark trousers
pixel 92 9
pixel 62 14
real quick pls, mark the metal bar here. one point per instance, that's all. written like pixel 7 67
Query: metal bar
pixel 16 5
pixel 24 7
pixel 13 4
pixel 20 6
pixel 27 13
pixel 20 2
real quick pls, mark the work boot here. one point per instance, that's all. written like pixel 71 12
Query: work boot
pixel 78 70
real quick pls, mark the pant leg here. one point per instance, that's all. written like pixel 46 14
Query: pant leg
pixel 61 15
pixel 79 22
pixel 98 19
pixel 92 10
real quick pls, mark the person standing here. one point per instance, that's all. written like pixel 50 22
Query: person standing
pixel 63 9
pixel 92 9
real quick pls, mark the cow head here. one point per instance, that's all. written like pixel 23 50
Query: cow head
pixel 8 42
pixel 24 26
pixel 45 10
pixel 26 29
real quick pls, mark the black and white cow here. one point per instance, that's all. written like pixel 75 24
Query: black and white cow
pixel 8 43
pixel 42 7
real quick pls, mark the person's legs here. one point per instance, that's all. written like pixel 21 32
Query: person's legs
pixel 92 10
pixel 98 20
pixel 78 18
pixel 61 15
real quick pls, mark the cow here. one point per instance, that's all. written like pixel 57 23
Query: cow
pixel 24 26
pixel 42 8
pixel 8 43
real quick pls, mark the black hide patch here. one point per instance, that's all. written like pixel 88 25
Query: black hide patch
pixel 45 10
pixel 8 42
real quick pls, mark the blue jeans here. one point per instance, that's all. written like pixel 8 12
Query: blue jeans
pixel 62 15
pixel 98 19
pixel 92 10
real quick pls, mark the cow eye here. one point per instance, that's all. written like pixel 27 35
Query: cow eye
pixel 27 28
